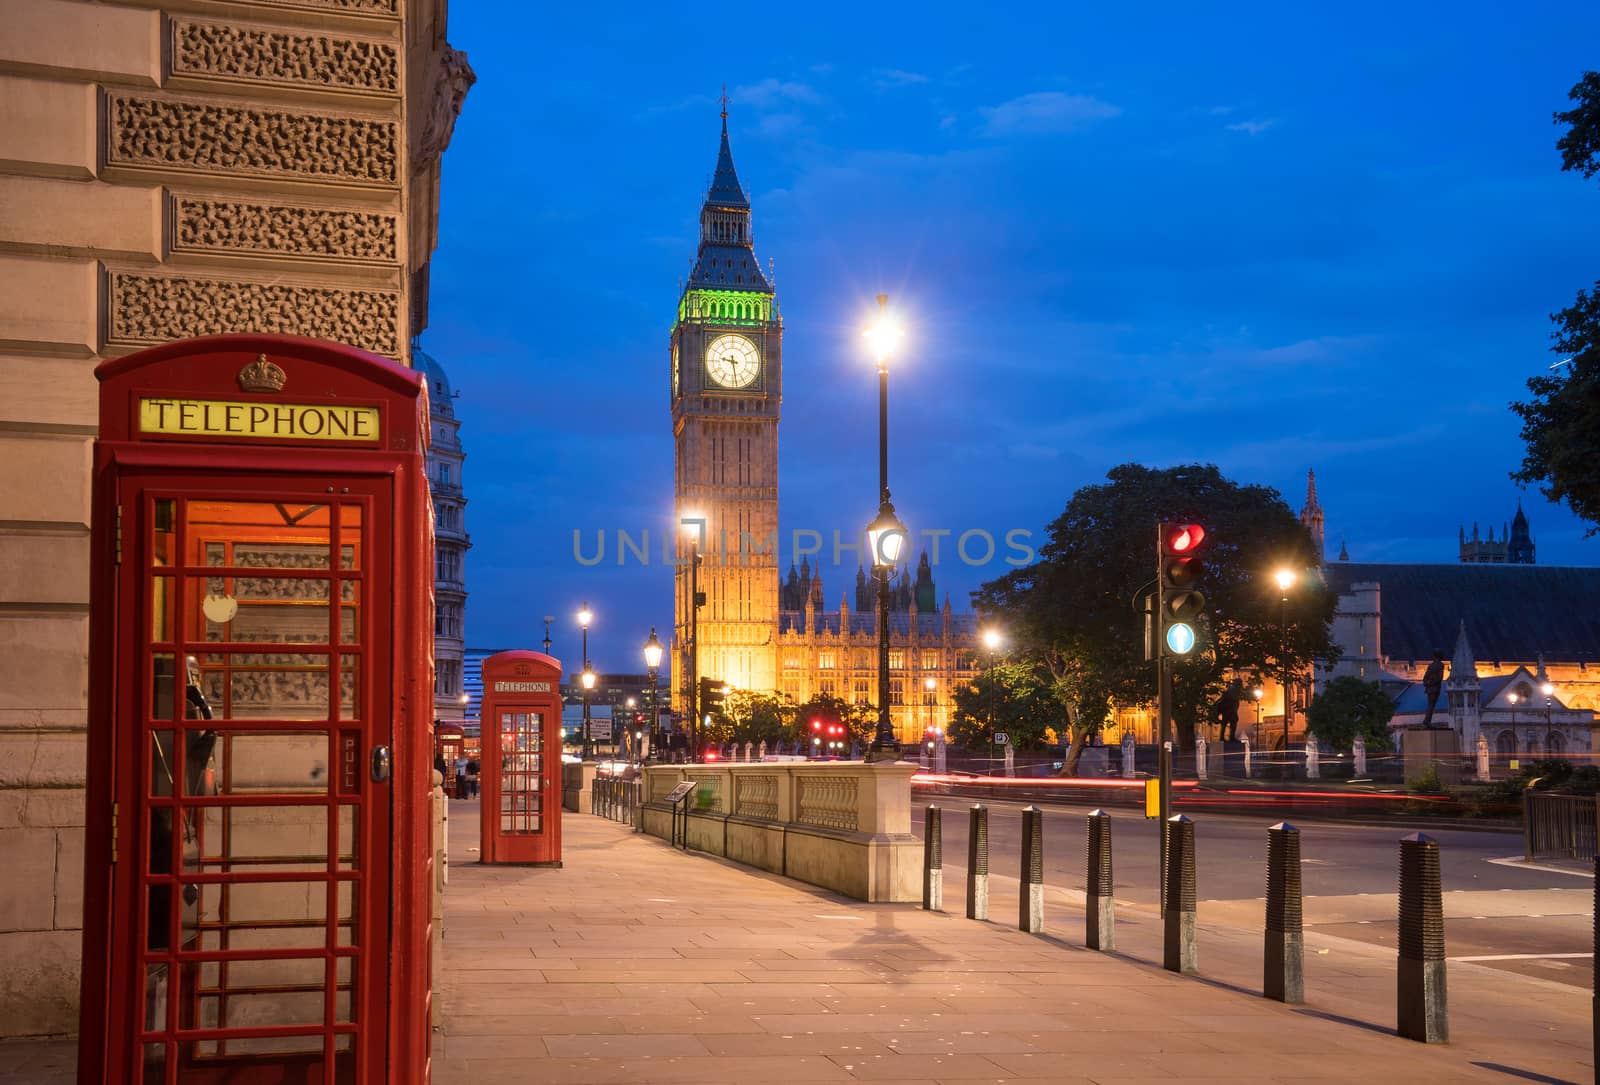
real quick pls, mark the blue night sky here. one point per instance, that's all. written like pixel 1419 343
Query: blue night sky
pixel 1272 240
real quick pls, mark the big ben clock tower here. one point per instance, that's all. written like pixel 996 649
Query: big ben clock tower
pixel 726 382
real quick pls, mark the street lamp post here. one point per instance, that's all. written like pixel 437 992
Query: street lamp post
pixel 886 534
pixel 1516 739
pixel 1257 693
pixel 992 641
pixel 585 616
pixel 1285 579
pixel 652 663
pixel 548 618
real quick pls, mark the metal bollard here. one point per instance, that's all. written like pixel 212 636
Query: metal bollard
pixel 1283 973
pixel 1179 955
pixel 1030 887
pixel 1422 1010
pixel 933 860
pixel 1098 913
pixel 978 863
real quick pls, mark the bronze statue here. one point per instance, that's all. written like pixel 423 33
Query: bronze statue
pixel 1226 711
pixel 1432 680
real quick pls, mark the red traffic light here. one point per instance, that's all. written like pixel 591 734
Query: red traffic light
pixel 1184 538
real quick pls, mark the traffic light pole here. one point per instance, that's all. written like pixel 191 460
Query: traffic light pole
pixel 1163 715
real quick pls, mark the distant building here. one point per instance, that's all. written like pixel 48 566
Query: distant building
pixel 451 543
pixel 1515 546
pixel 756 631
pixel 1507 626
pixel 1510 711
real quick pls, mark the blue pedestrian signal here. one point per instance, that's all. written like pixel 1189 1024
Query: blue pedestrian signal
pixel 1180 638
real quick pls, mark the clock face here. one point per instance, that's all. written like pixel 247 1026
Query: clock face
pixel 733 361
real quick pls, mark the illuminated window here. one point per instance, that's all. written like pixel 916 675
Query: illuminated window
pixel 897 659
pixel 930 661
pixel 862 691
pixel 825 661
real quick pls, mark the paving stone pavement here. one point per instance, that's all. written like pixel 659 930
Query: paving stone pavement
pixel 637 963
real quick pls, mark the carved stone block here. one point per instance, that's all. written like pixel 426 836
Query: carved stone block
pixel 164 133
pixel 279 56
pixel 157 309
pixel 345 7
pixel 205 224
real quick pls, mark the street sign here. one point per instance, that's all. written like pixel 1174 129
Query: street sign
pixel 1001 738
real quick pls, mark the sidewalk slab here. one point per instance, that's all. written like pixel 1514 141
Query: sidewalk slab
pixel 664 966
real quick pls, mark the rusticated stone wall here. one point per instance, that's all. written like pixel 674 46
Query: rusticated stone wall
pixel 150 309
pixel 276 56
pixel 207 137
pixel 263 165
pixel 245 226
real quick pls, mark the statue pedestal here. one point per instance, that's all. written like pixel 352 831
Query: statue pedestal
pixel 1436 747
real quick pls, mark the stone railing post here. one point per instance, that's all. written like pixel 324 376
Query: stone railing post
pixel 1313 758
pixel 1247 759
pixel 933 860
pixel 1358 755
pixel 1030 889
pixel 1283 971
pixel 1099 908
pixel 1179 948
pixel 1422 1010
pixel 978 863
pixel 1200 766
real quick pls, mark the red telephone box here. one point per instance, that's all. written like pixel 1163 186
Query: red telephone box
pixel 449 740
pixel 520 770
pixel 258 853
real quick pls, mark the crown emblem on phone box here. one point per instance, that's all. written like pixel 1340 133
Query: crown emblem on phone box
pixel 262 376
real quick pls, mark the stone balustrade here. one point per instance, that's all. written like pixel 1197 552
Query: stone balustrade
pixel 843 825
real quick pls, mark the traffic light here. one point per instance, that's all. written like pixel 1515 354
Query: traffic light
pixel 712 693
pixel 1178 599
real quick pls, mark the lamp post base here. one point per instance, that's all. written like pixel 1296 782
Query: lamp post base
pixel 883 751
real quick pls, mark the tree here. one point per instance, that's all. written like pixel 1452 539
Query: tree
pixel 860 721
pixel 1073 610
pixel 749 716
pixel 1017 697
pixel 1347 707
pixel 1561 424
pixel 1580 147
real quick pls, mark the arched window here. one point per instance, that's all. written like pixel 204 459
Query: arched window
pixel 1558 744
pixel 1506 743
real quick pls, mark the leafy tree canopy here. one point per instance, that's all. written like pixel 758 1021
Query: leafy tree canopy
pixel 1580 146
pixel 1019 698
pixel 1073 611
pixel 1347 707
pixel 1561 423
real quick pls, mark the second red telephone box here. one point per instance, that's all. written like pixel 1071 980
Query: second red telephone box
pixel 521 764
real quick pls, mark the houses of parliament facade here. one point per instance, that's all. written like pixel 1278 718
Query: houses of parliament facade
pixel 755 630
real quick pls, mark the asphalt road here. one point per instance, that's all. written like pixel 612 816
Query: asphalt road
pixel 1539 919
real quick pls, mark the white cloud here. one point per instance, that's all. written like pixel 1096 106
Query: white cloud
pixel 1254 128
pixel 897 77
pixel 1046 111
pixel 773 92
